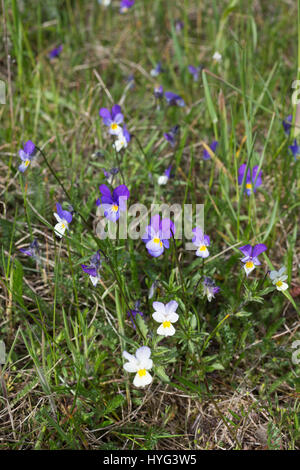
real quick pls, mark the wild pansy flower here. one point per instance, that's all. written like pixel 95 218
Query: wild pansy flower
pixel 55 52
pixel 172 135
pixel 202 241
pixel 213 146
pixel 110 174
pixel 157 235
pixel 295 149
pixel 166 315
pixel 64 218
pixel 131 314
pixel 250 178
pixel 163 179
pixel 122 139
pixel 112 119
pixel 287 124
pixel 113 203
pixel 173 99
pixel 195 71
pixel 217 56
pixel 93 268
pixel 125 5
pixel 26 154
pixel 33 250
pixel 140 363
pixel 209 288
pixel 278 278
pixel 251 253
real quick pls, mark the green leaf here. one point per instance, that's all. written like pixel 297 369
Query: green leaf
pixel 160 372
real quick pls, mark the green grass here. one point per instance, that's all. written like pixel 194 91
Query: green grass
pixel 226 379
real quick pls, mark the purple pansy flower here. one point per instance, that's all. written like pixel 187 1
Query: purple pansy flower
pixel 125 5
pixel 157 235
pixel 173 99
pixel 195 71
pixel 157 70
pixel 131 314
pixel 55 52
pixel 64 218
pixel 32 251
pixel 93 268
pixel 250 178
pixel 213 146
pixel 158 92
pixel 113 203
pixel 201 241
pixel 251 253
pixel 295 149
pixel 287 124
pixel 209 288
pixel 171 136
pixel 163 179
pixel 112 119
pixel 26 154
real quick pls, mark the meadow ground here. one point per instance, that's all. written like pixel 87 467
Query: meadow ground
pixel 228 378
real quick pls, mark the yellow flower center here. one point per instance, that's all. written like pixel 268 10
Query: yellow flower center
pixel 63 225
pixel 166 324
pixel 249 264
pixel 114 126
pixel 157 240
pixel 115 208
pixel 27 162
pixel 248 186
pixel 202 248
pixel 142 372
pixel 279 283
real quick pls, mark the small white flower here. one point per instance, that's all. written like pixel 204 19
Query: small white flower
pixel 105 3
pixel 140 363
pixel 217 56
pixel 165 314
pixel 61 226
pixel 162 180
pixel 120 143
pixel 278 278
